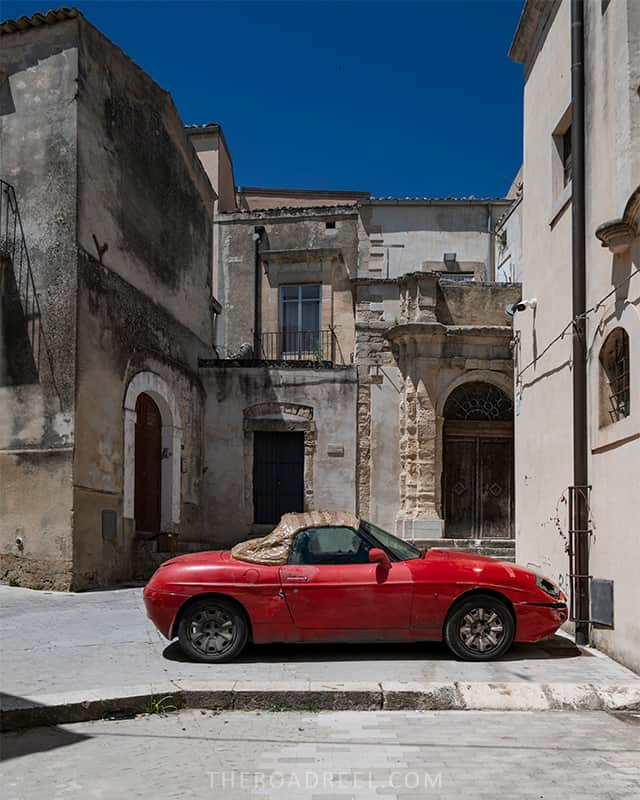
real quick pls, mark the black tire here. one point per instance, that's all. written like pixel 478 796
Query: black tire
pixel 480 628
pixel 213 630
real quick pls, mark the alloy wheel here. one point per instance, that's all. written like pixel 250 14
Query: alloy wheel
pixel 212 631
pixel 481 630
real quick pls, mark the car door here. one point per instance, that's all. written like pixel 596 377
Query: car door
pixel 335 593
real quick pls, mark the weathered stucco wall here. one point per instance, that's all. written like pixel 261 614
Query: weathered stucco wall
pixel 296 247
pixel 145 204
pixel 38 114
pixel 143 299
pixel 413 236
pixel 124 334
pixel 331 396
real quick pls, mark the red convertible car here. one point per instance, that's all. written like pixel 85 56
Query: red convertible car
pixel 331 577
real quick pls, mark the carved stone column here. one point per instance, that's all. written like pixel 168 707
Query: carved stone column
pixel 418 517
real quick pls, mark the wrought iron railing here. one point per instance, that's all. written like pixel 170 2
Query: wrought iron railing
pixel 320 346
pixel 13 250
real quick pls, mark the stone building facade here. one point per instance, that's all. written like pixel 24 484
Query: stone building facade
pixel 116 226
pixel 219 356
pixel 544 358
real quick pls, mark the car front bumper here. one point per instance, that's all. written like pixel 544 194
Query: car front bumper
pixel 536 621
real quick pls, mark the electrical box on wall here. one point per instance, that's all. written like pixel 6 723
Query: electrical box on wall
pixel 602 602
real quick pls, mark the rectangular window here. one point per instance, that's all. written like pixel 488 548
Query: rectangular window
pixel 300 318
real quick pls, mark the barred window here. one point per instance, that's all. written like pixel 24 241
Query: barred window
pixel 614 377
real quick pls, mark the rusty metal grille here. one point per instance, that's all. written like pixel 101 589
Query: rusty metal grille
pixel 578 550
pixel 479 401
pixel 615 361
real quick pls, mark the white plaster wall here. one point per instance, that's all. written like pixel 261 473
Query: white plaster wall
pixel 425 233
pixel 613 161
pixel 543 457
pixel 543 425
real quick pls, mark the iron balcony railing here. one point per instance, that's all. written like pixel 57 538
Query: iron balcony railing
pixel 13 249
pixel 320 346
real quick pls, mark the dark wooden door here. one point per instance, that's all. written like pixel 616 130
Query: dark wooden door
pixel 460 487
pixel 478 481
pixel 495 488
pixel 278 475
pixel 148 472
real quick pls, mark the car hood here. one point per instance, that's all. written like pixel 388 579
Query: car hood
pixel 466 561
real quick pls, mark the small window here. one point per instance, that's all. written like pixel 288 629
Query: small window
pixel 614 377
pixel 567 160
pixel 329 545
pixel 330 226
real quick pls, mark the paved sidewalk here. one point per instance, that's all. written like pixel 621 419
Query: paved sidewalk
pixel 100 645
pixel 331 756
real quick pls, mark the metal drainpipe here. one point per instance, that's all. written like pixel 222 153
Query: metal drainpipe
pixel 578 227
pixel 490 268
pixel 257 293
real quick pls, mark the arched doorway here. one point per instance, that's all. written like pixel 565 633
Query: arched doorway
pixel 478 462
pixel 148 464
pixel 141 436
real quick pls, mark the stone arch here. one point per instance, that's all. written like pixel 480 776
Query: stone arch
pixel 278 410
pixel 158 389
pixel 498 379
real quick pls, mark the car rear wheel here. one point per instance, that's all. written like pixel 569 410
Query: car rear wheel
pixel 480 628
pixel 213 630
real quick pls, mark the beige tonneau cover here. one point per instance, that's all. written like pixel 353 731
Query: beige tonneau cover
pixel 274 548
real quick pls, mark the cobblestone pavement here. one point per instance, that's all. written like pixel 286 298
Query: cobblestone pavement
pixel 55 642
pixel 330 756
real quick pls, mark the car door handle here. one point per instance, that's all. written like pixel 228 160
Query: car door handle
pixel 300 578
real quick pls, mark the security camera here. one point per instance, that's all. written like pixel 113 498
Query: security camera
pixel 523 305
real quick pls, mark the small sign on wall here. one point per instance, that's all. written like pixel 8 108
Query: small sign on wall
pixel 335 450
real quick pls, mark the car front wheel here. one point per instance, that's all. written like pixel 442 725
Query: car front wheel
pixel 213 630
pixel 480 628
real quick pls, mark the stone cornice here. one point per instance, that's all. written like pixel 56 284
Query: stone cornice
pixel 618 234
pixel 413 330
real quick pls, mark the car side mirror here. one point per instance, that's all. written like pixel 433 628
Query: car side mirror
pixel 376 555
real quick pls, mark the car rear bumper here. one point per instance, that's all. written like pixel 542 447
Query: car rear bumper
pixel 536 621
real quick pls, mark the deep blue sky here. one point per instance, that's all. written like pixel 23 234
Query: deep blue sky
pixel 394 98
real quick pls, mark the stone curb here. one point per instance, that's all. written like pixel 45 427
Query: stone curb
pixel 59 709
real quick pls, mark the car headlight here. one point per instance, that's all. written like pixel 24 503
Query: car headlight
pixel 547 586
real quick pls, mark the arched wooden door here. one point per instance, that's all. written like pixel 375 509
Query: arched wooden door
pixel 478 463
pixel 148 469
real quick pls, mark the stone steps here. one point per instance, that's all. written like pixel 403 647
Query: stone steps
pixel 503 549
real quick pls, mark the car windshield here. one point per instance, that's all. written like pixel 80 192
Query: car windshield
pixel 402 550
